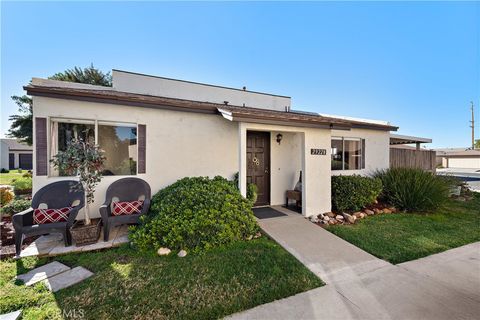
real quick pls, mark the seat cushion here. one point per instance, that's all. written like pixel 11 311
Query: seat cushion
pixel 127 208
pixel 43 216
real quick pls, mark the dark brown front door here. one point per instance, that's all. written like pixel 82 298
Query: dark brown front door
pixel 258 164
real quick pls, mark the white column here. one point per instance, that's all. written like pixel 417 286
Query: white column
pixel 316 192
pixel 242 158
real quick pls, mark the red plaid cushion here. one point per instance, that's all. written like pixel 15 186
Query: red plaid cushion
pixel 127 208
pixel 41 216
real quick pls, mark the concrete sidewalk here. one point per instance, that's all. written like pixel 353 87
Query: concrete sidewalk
pixel 360 286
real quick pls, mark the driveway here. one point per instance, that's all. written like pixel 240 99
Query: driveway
pixel 360 286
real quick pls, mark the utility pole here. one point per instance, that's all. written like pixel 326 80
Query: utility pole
pixel 472 126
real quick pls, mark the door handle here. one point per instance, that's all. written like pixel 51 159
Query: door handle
pixel 266 171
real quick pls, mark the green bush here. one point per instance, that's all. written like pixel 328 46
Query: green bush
pixel 4 170
pixel 22 184
pixel 352 193
pixel 412 189
pixel 16 206
pixel 252 190
pixel 197 214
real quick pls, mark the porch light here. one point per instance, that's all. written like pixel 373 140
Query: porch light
pixel 279 138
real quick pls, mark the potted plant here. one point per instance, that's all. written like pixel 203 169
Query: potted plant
pixel 84 160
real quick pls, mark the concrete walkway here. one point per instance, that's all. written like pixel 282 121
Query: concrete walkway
pixel 360 286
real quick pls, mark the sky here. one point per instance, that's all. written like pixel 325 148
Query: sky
pixel 415 64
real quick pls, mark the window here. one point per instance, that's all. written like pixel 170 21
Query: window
pixel 348 153
pixel 118 141
pixel 120 145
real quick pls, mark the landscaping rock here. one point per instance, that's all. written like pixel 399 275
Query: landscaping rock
pixel 182 253
pixel 326 218
pixel 393 209
pixel 369 212
pixel 362 215
pixel 339 217
pixel 332 221
pixel 163 251
pixel 386 210
pixel 377 211
pixel 314 219
pixel 257 235
pixel 357 214
pixel 330 214
pixel 351 219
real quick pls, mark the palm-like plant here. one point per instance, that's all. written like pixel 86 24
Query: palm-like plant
pixel 21 127
pixel 89 75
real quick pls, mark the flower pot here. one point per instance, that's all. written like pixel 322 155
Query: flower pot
pixel 85 234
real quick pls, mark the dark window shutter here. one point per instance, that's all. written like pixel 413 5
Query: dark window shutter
pixel 41 146
pixel 142 148
pixel 363 153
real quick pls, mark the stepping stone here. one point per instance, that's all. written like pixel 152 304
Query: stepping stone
pixel 11 316
pixel 42 273
pixel 67 279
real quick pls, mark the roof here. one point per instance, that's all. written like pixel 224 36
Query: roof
pixel 402 139
pixel 16 145
pixel 458 152
pixel 101 94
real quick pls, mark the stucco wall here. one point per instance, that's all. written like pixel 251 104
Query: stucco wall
pixel 377 149
pixel 179 144
pixel 144 84
pixel 465 163
pixel 3 156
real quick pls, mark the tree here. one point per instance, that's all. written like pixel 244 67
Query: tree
pixel 21 127
pixel 85 160
pixel 477 144
pixel 89 75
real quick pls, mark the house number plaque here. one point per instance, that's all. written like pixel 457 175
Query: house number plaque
pixel 318 152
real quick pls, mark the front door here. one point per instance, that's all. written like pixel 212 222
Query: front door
pixel 258 164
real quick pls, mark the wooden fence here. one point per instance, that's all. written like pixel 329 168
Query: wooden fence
pixel 409 158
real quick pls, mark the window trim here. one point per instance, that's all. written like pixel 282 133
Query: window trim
pixel 361 156
pixel 96 123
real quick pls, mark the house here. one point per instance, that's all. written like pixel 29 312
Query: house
pixel 162 129
pixel 15 155
pixel 458 158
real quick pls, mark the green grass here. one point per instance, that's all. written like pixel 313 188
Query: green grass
pixel 406 236
pixel 128 284
pixel 6 178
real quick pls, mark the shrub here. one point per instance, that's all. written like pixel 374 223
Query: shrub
pixel 412 189
pixel 27 174
pixel 22 185
pixel 6 195
pixel 252 190
pixel 195 213
pixel 4 170
pixel 352 193
pixel 16 206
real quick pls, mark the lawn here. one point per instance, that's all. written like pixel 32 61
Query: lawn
pixel 6 178
pixel 128 284
pixel 406 236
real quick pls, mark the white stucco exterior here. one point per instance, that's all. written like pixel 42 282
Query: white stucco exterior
pixel 158 86
pixel 185 143
pixel 377 149
pixel 6 149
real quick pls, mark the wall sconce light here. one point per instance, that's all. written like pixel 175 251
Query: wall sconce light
pixel 279 138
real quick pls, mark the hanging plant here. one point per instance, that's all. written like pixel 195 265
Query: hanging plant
pixel 84 160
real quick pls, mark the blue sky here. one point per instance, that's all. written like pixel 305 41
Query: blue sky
pixel 414 64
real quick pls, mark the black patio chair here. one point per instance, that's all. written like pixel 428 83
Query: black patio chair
pixel 125 189
pixel 57 195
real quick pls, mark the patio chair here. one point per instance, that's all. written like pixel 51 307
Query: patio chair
pixel 57 195
pixel 124 190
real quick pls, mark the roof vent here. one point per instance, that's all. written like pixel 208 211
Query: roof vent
pixel 244 88
pixel 226 103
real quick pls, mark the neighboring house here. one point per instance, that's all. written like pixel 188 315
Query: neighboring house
pixel 15 155
pixel 162 129
pixel 458 158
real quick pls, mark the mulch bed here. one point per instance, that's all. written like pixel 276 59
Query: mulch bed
pixel 7 242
